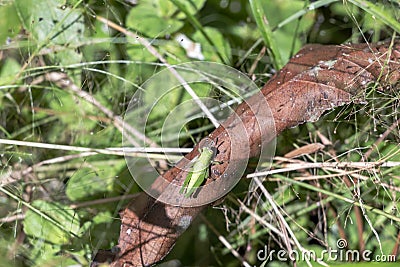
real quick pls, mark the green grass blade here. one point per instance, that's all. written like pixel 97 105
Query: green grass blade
pixel 302 12
pixel 266 32
pixel 342 198
pixel 378 12
pixel 37 211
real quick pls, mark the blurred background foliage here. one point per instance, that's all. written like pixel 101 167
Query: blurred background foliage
pixel 49 203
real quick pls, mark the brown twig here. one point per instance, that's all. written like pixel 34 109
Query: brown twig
pixel 63 81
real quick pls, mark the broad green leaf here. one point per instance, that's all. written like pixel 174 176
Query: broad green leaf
pixel 158 18
pixel 8 71
pixel 51 21
pixel 42 251
pixel 9 23
pixel 48 255
pixel 73 112
pixel 89 183
pixel 138 52
pixel 55 26
pixel 154 18
pixel 103 217
pixel 39 228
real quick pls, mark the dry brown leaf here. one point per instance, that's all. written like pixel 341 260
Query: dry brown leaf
pixel 316 79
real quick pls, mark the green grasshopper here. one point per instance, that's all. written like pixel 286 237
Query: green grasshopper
pixel 200 170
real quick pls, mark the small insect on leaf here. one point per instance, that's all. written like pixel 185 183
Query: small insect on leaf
pixel 200 169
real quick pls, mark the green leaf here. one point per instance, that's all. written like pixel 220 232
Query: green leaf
pixel 50 21
pixel 154 18
pixel 73 114
pixel 9 23
pixel 42 251
pixel 8 71
pixel 212 52
pixel 88 183
pixel 157 18
pixel 103 217
pixel 41 229
pixel 53 24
